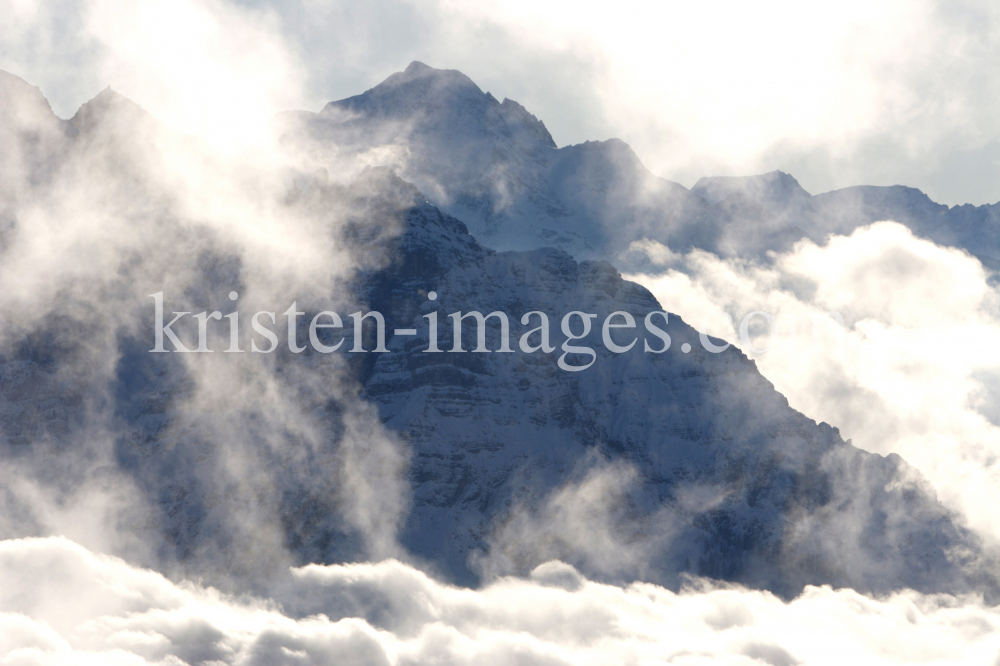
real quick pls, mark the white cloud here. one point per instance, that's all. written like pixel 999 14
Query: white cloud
pixel 837 93
pixel 62 604
pixel 205 66
pixel 129 207
pixel 913 370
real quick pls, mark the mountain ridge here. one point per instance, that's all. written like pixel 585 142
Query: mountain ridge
pixel 647 465
pixel 515 200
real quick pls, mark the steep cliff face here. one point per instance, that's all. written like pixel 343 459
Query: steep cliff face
pixel 643 465
pixel 495 166
pixel 646 464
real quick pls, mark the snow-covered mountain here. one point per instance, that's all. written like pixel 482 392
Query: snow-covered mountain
pixel 646 465
pixel 495 166
pixel 788 206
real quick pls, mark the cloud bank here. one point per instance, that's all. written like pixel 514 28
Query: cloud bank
pixel 915 368
pixel 65 605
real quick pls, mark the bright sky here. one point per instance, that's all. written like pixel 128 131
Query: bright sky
pixel 835 93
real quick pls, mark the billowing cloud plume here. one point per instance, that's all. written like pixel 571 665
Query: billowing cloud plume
pixel 208 68
pixel 192 460
pixel 913 369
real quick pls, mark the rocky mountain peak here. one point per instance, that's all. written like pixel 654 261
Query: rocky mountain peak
pixel 419 88
pixel 774 190
pixel 517 115
pixel 21 102
pixel 109 110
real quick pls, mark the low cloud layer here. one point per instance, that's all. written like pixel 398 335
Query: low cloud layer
pixel 915 368
pixel 65 605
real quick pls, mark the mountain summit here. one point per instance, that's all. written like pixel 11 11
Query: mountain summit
pixel 648 464
pixel 495 166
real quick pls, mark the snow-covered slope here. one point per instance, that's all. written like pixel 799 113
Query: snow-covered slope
pixel 645 465
pixel 793 211
pixel 494 165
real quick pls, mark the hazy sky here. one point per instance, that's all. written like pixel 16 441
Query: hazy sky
pixel 836 93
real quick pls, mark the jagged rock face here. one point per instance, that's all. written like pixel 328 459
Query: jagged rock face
pixel 644 465
pixel 495 166
pixel 500 172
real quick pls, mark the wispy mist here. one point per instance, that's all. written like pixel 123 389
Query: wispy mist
pixel 309 487
pixel 911 371
pixel 197 463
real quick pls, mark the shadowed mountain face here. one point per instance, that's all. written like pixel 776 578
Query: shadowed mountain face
pixel 773 191
pixel 500 172
pixel 785 205
pixel 645 465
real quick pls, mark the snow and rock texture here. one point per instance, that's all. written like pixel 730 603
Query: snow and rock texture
pixel 643 466
pixel 494 166
pixel 794 211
